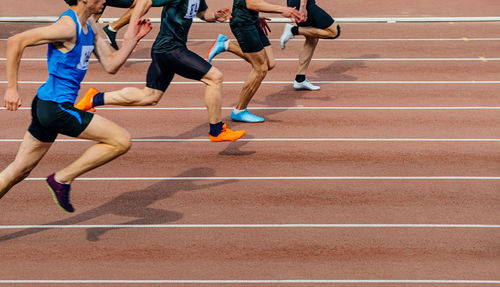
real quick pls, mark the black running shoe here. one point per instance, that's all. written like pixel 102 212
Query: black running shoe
pixel 111 37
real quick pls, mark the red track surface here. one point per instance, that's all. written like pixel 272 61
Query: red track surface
pixel 259 253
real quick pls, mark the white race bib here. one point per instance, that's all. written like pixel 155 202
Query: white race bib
pixel 84 58
pixel 192 9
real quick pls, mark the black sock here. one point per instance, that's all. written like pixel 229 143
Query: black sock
pixel 295 30
pixel 216 129
pixel 300 78
pixel 98 100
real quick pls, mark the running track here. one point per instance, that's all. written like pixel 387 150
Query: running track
pixel 388 176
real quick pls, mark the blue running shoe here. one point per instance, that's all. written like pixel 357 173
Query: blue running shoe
pixel 217 48
pixel 246 117
pixel 60 191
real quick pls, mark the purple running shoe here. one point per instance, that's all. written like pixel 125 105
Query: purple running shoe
pixel 60 191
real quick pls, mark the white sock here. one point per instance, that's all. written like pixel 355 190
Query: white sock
pixel 226 45
pixel 236 111
pixel 111 29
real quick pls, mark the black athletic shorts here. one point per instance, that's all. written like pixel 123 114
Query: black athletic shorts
pixel 51 118
pixel 119 3
pixel 250 38
pixel 316 17
pixel 179 61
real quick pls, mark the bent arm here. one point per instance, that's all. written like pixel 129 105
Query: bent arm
pixel 61 31
pixel 210 15
pixel 112 61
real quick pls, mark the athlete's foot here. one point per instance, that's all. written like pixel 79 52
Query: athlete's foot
pixel 286 36
pixel 227 135
pixel 305 85
pixel 218 47
pixel 246 117
pixel 111 37
pixel 87 102
pixel 60 191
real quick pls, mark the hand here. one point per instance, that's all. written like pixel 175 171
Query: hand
pixel 303 10
pixel 294 15
pixel 264 25
pixel 11 100
pixel 223 15
pixel 144 27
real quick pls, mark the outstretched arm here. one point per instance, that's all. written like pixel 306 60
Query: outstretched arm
pixel 112 61
pixel 62 31
pixel 263 6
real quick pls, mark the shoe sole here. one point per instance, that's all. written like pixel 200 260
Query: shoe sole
pixel 55 198
pixel 210 50
pixel 217 141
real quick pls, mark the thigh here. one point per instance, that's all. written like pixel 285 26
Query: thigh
pixel 317 17
pixel 30 152
pixel 103 130
pixel 249 38
pixel 269 56
pixel 63 118
pixel 158 78
pixel 185 63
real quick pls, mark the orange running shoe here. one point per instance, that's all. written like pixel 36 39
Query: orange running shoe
pixel 227 135
pixel 86 103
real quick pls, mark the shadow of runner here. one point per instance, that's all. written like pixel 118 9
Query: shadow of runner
pixel 134 204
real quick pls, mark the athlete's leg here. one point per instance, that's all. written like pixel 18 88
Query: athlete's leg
pixel 213 94
pixel 236 49
pixel 259 63
pixel 29 154
pixel 123 20
pixel 306 54
pixel 131 96
pixel 113 142
pixel 329 32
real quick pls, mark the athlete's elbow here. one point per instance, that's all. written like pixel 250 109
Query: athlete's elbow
pixel 111 69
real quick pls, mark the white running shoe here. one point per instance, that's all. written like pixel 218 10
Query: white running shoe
pixel 286 36
pixel 305 85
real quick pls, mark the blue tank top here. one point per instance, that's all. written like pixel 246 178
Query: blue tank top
pixel 67 70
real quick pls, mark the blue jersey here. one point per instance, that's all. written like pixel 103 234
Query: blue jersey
pixel 67 70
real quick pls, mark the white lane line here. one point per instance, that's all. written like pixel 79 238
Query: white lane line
pixel 283 108
pixel 399 178
pixel 50 19
pixel 280 82
pixel 211 226
pixel 265 281
pixel 285 140
pixel 349 40
pixel 478 59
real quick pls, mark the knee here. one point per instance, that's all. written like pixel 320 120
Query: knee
pixel 215 77
pixel 333 32
pixel 123 143
pixel 261 70
pixel 150 98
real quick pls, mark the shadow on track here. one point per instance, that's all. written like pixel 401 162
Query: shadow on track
pixel 134 204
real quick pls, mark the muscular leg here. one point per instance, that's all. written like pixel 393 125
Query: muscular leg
pixel 123 20
pixel 306 54
pixel 113 142
pixel 213 94
pixel 131 96
pixel 259 63
pixel 326 33
pixel 29 154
